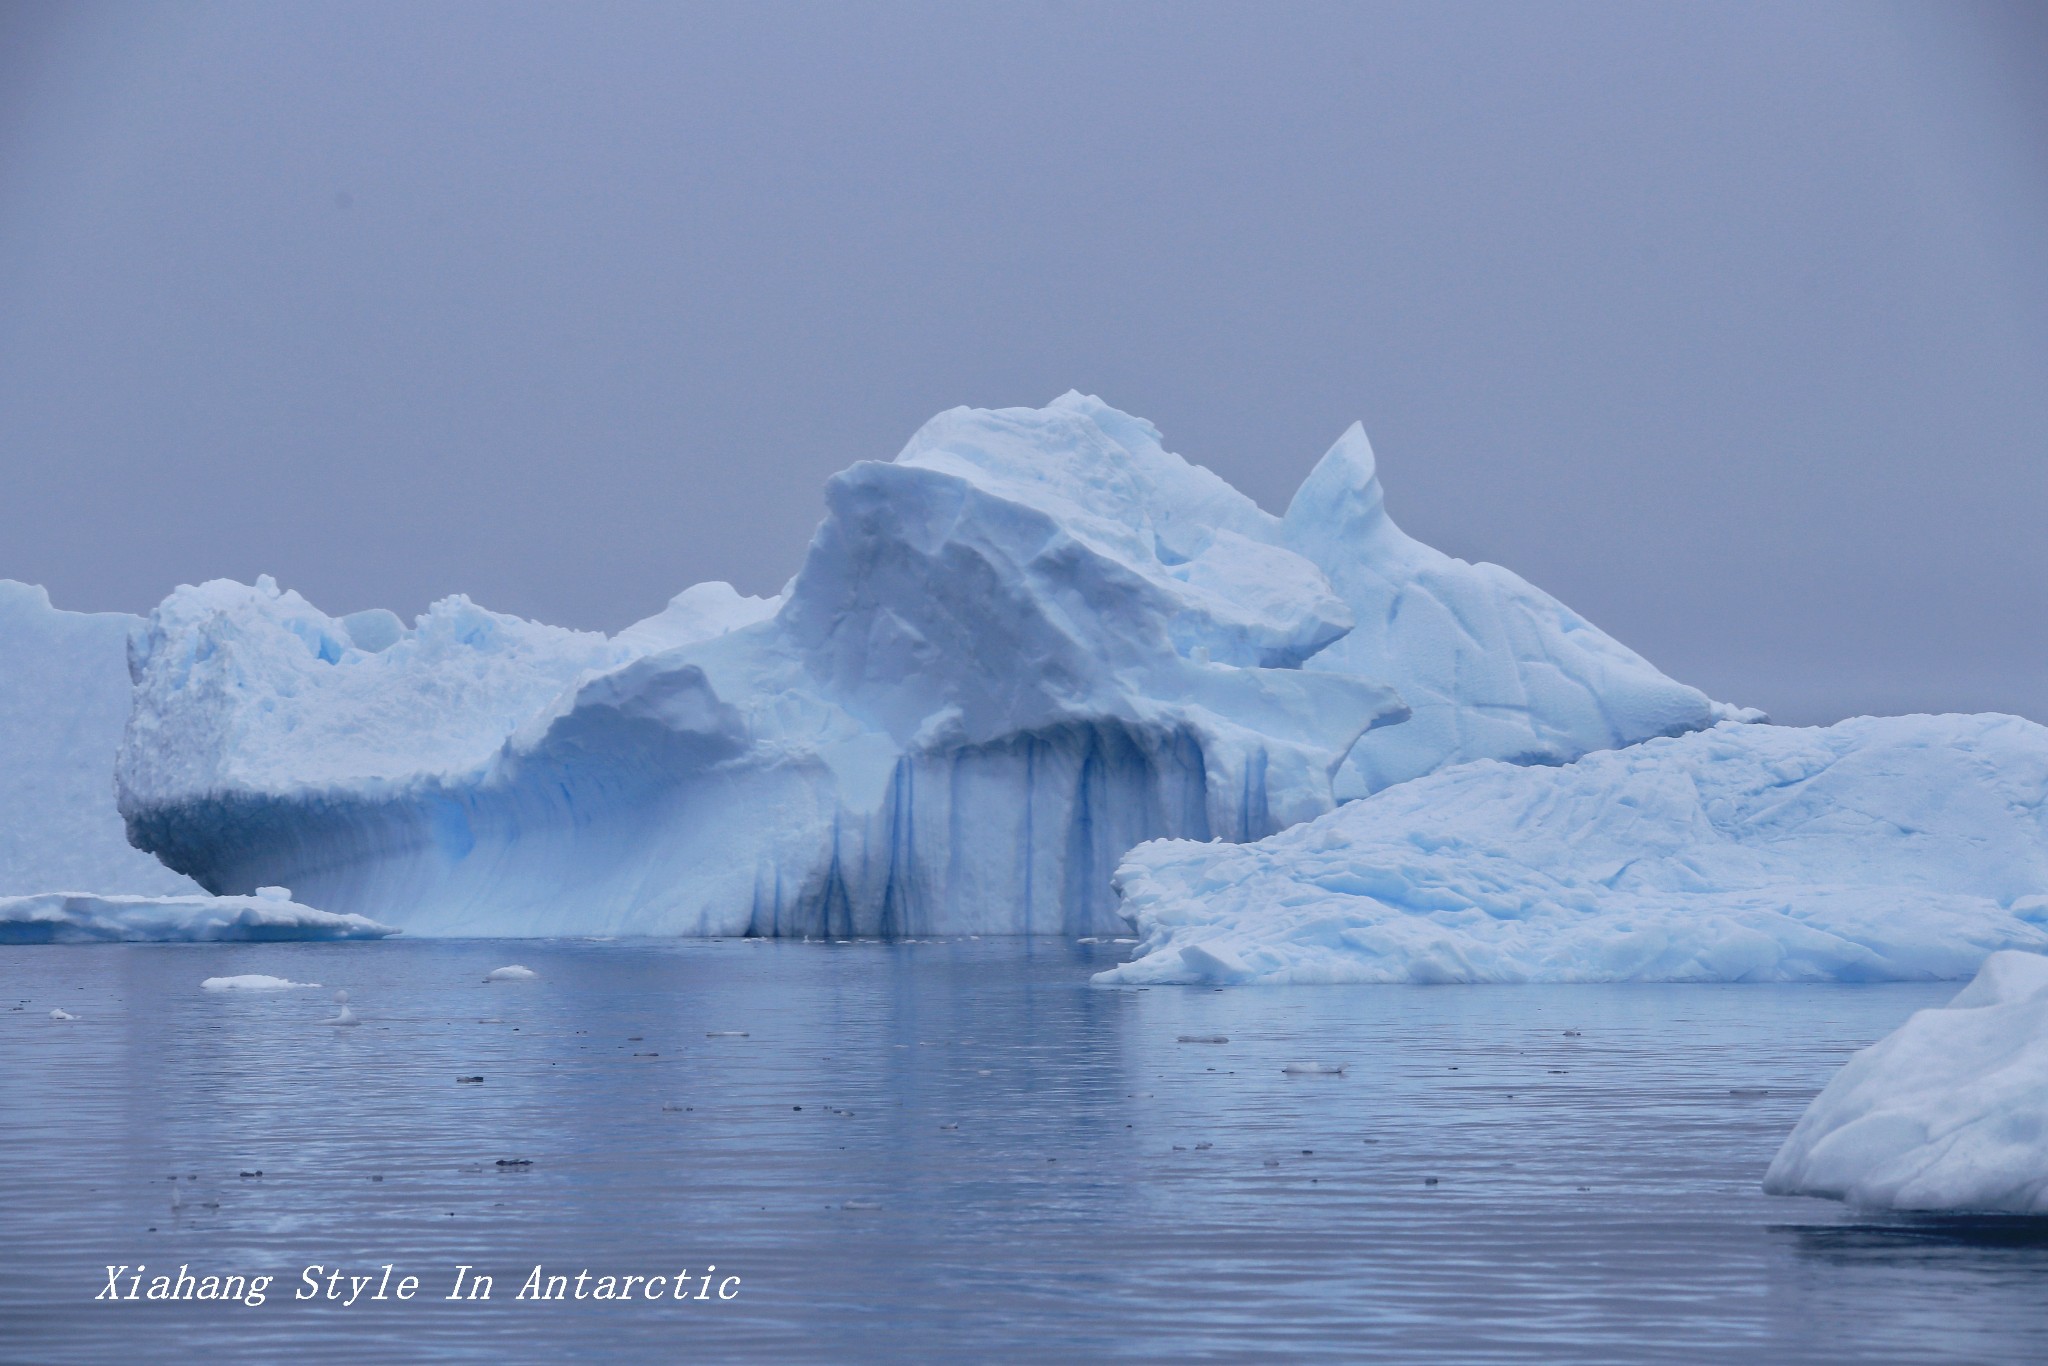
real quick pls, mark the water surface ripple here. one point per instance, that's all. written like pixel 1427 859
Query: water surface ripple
pixel 991 1161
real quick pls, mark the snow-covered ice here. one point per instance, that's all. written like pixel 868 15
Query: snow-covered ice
pixel 83 918
pixel 1879 848
pixel 64 697
pixel 1491 666
pixel 252 981
pixel 1950 1112
pixel 1034 640
pixel 514 973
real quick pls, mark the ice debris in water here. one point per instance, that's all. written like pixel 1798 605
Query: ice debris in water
pixel 346 1016
pixel 62 1014
pixel 1315 1069
pixel 1203 1038
pixel 1948 1112
pixel 725 1033
pixel 1033 640
pixel 252 981
pixel 514 973
pixel 1876 849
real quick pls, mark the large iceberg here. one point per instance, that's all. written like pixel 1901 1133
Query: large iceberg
pixel 1950 1112
pixel 1880 848
pixel 64 698
pixel 1033 641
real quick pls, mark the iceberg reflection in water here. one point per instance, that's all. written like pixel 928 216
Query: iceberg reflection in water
pixel 955 1150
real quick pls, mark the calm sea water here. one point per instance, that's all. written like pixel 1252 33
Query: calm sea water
pixel 948 1151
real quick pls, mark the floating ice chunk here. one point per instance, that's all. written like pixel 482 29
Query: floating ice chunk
pixel 1948 1112
pixel 345 1017
pixel 1880 848
pixel 514 973
pixel 725 1034
pixel 1315 1069
pixel 252 981
pixel 81 918
pixel 62 1014
pixel 1203 1038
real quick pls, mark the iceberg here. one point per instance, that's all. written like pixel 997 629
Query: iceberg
pixel 1881 848
pixel 82 918
pixel 1491 667
pixel 1031 642
pixel 64 699
pixel 1950 1112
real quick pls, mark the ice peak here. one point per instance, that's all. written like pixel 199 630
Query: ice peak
pixel 1342 494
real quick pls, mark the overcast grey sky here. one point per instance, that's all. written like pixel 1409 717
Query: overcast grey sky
pixel 1726 323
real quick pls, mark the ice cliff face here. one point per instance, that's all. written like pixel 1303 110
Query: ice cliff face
pixel 1880 848
pixel 1034 640
pixel 1950 1112
pixel 63 703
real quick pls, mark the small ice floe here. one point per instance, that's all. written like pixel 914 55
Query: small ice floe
pixel 1088 939
pixel 346 1017
pixel 1123 941
pixel 62 1014
pixel 1203 1038
pixel 1315 1069
pixel 861 1204
pixel 514 973
pixel 252 981
pixel 953 1125
pixel 725 1033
